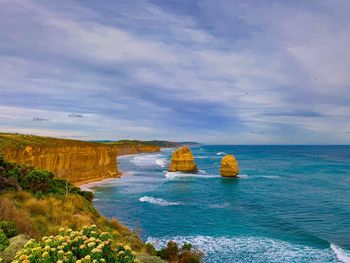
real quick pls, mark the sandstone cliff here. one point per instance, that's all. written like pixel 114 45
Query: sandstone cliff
pixel 76 161
pixel 229 166
pixel 182 160
pixel 125 149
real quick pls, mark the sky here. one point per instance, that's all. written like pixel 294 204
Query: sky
pixel 217 72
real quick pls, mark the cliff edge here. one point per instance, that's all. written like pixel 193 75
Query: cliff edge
pixel 76 161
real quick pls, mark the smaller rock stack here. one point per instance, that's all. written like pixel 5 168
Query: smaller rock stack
pixel 229 166
pixel 182 160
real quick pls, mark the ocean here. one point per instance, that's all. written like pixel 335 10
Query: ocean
pixel 290 204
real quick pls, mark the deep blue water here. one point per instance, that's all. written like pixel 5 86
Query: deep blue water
pixel 291 204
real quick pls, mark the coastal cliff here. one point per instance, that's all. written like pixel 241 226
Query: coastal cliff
pixel 74 160
pixel 229 166
pixel 182 160
pixel 125 149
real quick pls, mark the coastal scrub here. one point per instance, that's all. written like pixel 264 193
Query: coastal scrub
pixel 89 244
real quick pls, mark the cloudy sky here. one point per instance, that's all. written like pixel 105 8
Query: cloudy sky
pixel 214 71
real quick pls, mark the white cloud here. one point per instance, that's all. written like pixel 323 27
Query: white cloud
pixel 111 69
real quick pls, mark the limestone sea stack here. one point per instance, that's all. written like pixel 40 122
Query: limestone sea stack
pixel 182 160
pixel 229 166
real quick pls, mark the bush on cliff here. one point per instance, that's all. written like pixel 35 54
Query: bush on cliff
pixel 9 228
pixel 37 180
pixel 16 177
pixel 89 244
pixel 4 241
pixel 185 254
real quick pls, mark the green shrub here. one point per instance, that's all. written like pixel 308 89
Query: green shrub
pixel 186 246
pixel 87 245
pixel 150 249
pixel 8 228
pixel 4 241
pixel 38 180
pixel 186 254
pixel 41 182
pixel 87 195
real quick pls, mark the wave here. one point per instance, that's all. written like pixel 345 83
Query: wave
pixel 246 176
pixel 341 254
pixel 223 205
pixel 179 175
pixel 149 160
pixel 201 157
pixel 221 153
pixel 157 201
pixel 250 249
pixel 161 162
pixel 271 176
pixel 90 186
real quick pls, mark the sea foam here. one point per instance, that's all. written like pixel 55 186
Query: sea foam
pixel 180 175
pixel 161 162
pixel 341 254
pixel 157 201
pixel 250 249
pixel 143 160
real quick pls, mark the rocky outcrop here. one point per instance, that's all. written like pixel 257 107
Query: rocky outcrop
pixel 76 161
pixel 229 166
pixel 182 160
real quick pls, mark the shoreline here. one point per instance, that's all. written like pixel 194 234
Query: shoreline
pixel 86 185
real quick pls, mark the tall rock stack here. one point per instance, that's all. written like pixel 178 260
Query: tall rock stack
pixel 229 166
pixel 182 160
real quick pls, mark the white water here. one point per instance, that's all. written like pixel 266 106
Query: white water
pixel 143 160
pixel 252 249
pixel 157 201
pixel 341 254
pixel 179 175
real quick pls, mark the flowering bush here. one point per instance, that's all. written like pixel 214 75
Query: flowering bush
pixel 85 246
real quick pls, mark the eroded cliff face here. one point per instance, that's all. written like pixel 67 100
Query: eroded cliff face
pixel 182 160
pixel 125 149
pixel 229 166
pixel 76 161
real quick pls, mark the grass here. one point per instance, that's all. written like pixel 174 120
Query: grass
pixel 15 140
pixel 38 217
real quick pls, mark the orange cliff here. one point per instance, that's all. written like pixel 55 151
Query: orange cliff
pixel 229 166
pixel 128 148
pixel 77 161
pixel 182 160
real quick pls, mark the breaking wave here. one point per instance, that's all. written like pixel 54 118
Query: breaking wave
pixel 157 201
pixel 179 175
pixel 341 254
pixel 253 249
pixel 161 162
pixel 149 160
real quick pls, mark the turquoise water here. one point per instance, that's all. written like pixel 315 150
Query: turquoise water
pixel 291 204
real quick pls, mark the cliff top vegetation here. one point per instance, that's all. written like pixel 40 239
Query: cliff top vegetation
pixel 16 140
